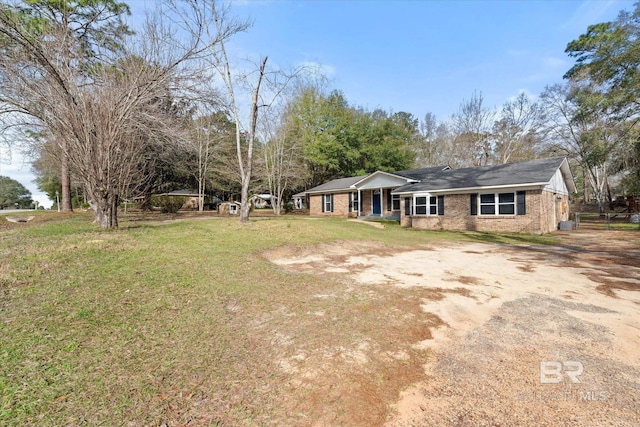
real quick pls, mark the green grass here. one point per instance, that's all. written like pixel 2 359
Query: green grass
pixel 625 226
pixel 168 321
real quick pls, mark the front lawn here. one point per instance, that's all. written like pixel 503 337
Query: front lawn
pixel 186 322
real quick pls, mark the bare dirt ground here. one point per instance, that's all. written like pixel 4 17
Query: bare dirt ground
pixel 470 325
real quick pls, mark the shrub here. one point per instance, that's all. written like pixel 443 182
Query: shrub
pixel 168 204
pixel 288 207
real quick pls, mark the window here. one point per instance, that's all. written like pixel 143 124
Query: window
pixel 500 204
pixel 428 205
pixel 327 203
pixel 420 205
pixel 355 202
pixel 487 204
pixel 395 202
pixel 506 204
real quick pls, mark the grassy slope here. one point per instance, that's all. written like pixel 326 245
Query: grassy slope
pixel 174 321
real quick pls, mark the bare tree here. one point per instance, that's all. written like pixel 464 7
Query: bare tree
pixel 472 127
pixel 519 130
pixel 207 134
pixel 219 25
pixel 426 148
pixel 436 144
pixel 283 157
pixel 245 157
pixel 102 119
pixel 588 139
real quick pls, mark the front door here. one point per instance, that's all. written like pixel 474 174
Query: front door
pixel 377 202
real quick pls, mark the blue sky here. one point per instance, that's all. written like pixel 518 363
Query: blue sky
pixel 424 56
pixel 413 56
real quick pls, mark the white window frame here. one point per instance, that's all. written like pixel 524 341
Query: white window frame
pixel 355 201
pixel 327 200
pixel 496 204
pixel 395 201
pixel 431 206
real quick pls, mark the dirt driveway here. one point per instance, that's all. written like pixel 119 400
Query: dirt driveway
pixel 479 334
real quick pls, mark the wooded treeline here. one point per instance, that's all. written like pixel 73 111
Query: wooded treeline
pixel 111 112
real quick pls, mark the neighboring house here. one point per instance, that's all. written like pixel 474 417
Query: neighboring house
pixel 528 197
pixel 262 201
pixel 191 198
pixel 299 201
pixel 229 208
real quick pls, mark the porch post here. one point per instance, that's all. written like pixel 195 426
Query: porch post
pixel 360 210
pixel 382 204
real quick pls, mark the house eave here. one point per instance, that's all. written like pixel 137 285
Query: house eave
pixel 339 190
pixel 565 170
pixel 526 186
pixel 355 185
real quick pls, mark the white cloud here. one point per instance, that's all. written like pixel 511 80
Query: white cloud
pixel 591 12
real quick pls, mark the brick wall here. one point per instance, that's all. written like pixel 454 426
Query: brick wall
pixel 405 221
pixel 340 205
pixel 457 216
pixel 544 211
pixel 366 202
pixel 556 209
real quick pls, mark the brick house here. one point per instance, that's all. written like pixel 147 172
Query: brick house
pixel 531 197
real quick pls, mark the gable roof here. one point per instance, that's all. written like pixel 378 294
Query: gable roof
pixel 534 172
pixel 443 178
pixel 339 184
pixel 422 173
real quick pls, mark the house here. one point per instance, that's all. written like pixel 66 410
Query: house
pixel 191 198
pixel 262 201
pixel 530 197
pixel 299 201
pixel 366 195
pixel 229 208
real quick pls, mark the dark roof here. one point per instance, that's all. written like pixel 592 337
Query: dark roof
pixel 336 184
pixel 531 172
pixel 443 178
pixel 420 174
pixel 346 183
pixel 192 193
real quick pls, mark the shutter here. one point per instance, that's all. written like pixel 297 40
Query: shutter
pixel 331 202
pixel 522 203
pixel 474 203
pixel 388 191
pixel 407 206
pixel 440 205
pixel 350 202
pixel 322 201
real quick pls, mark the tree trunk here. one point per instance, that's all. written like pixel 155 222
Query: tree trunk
pixel 585 185
pixel 105 210
pixel 247 167
pixel 65 179
pixel 245 204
